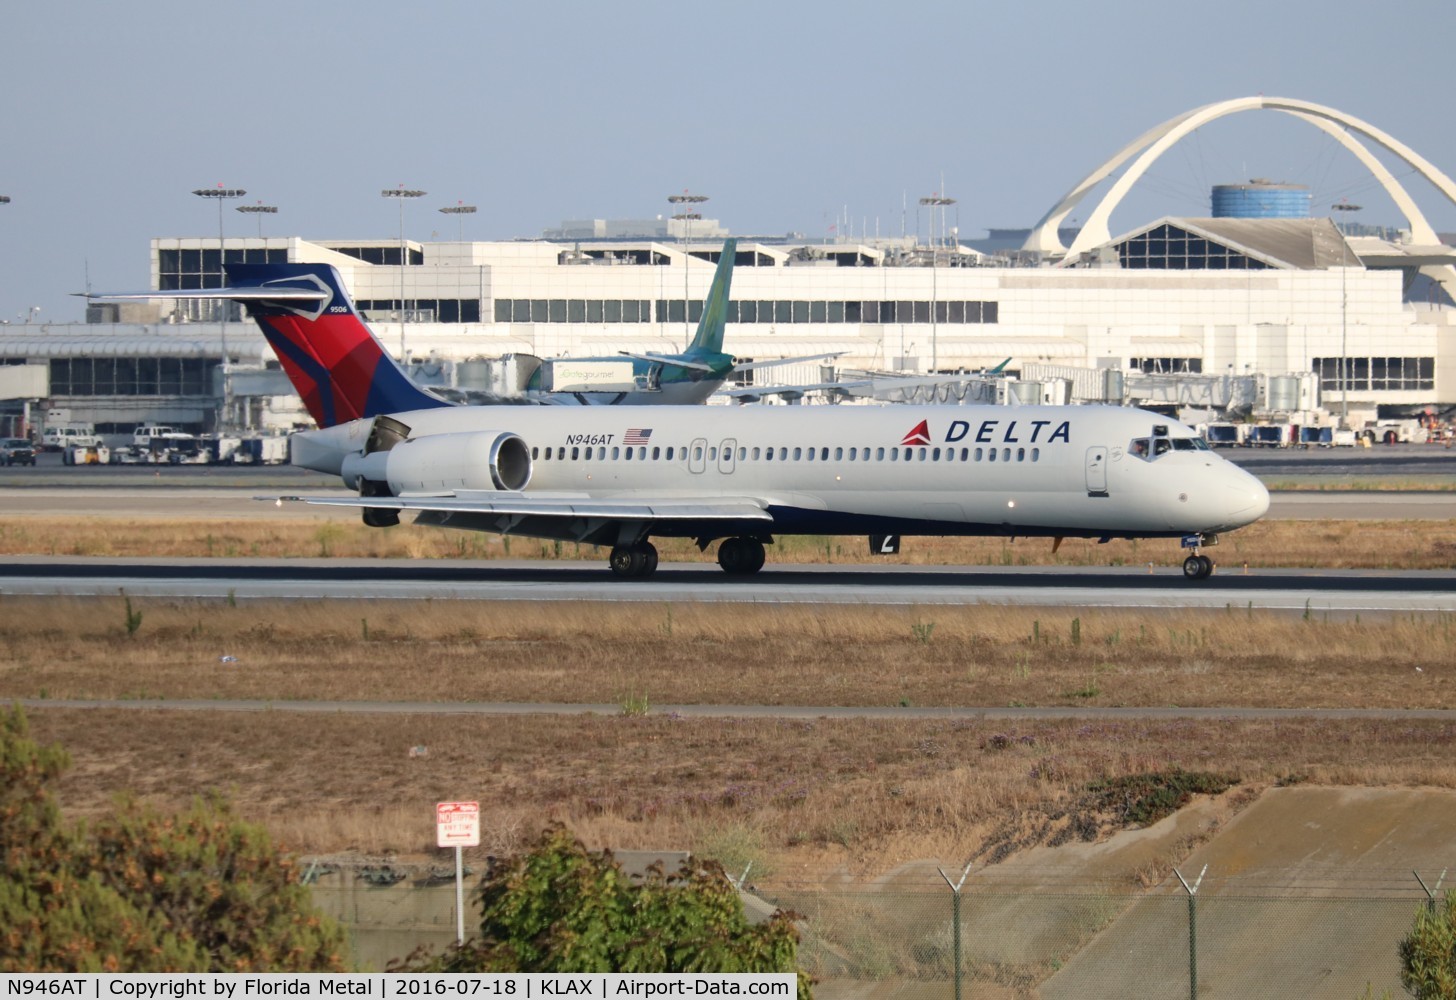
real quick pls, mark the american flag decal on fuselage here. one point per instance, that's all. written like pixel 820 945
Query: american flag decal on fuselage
pixel 637 435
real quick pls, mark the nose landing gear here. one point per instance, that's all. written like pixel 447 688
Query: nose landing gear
pixel 1198 566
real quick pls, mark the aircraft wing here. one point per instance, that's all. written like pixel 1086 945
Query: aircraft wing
pixel 746 365
pixel 558 505
pixel 753 393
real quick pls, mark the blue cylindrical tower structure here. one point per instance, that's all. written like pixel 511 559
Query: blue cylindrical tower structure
pixel 1261 199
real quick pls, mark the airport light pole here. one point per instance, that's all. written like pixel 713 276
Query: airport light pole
pixel 1344 206
pixel 402 193
pixel 221 194
pixel 460 210
pixel 258 210
pixel 687 211
pixel 934 201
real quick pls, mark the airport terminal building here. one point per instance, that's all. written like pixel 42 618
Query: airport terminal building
pixel 1253 290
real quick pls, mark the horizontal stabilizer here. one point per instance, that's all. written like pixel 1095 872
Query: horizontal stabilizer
pixel 253 293
pixel 677 360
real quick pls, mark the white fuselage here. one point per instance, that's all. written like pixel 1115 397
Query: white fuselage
pixel 935 470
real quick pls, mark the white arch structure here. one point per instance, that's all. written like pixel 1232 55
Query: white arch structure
pixel 1156 141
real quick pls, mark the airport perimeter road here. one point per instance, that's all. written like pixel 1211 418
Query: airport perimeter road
pixel 1316 591
pixel 1313 505
pixel 1380 461
pixel 988 712
pixel 192 502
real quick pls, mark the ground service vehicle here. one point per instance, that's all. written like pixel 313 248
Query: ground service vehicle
pixel 17 451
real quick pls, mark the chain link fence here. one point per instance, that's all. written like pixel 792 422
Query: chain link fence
pixel 1257 934
pixel 1002 935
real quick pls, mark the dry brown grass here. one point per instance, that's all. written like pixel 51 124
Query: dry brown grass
pixel 613 654
pixel 1325 544
pixel 794 796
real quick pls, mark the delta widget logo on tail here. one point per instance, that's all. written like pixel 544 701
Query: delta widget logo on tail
pixel 994 432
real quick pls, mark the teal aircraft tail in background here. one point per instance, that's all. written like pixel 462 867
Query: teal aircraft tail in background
pixel 709 338
pixel 690 377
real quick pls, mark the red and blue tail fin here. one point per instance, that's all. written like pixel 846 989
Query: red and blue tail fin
pixel 338 366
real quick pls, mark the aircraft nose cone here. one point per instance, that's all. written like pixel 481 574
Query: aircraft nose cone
pixel 1248 499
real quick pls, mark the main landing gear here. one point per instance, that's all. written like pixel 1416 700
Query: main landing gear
pixel 741 556
pixel 738 556
pixel 633 562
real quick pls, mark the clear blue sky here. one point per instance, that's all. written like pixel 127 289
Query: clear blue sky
pixel 788 114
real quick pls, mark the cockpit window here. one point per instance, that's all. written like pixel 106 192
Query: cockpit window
pixel 1149 449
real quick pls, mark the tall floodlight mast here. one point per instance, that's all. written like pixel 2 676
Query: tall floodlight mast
pixel 221 194
pixel 687 211
pixel 402 193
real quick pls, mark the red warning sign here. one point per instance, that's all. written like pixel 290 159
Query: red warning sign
pixel 457 824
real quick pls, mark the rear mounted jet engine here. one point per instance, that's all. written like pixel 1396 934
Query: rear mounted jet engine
pixel 443 463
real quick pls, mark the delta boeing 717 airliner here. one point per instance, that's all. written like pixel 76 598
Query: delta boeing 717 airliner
pixel 735 475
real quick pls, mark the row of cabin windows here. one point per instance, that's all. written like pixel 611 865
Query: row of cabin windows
pixel 615 453
pixel 744 311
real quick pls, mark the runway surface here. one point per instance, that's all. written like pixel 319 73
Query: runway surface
pixel 1312 591
pixel 227 493
pixel 238 504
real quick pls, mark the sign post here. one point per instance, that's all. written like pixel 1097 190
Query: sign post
pixel 457 824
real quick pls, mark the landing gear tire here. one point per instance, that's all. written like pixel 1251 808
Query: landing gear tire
pixel 1197 567
pixel 741 556
pixel 633 562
